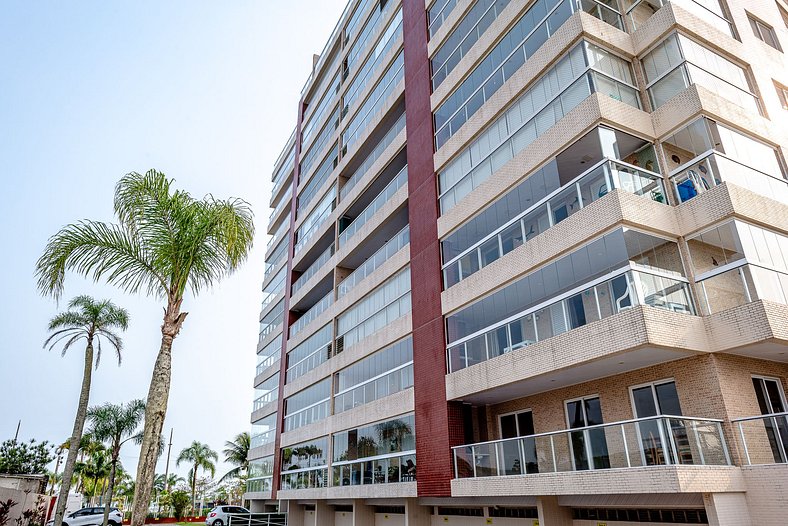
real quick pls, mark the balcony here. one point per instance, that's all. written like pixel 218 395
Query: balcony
pixel 593 184
pixel 763 438
pixel 321 260
pixel 714 168
pixel 591 302
pixel 660 454
pixel 310 315
pixel 383 254
pixel 710 12
pixel 382 198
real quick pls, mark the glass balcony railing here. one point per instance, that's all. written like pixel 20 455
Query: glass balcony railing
pixel 642 442
pixel 305 478
pixel 312 313
pixel 764 438
pixel 266 399
pixel 742 285
pixel 308 363
pixel 266 363
pixel 261 439
pixel 381 199
pixel 316 223
pixel 438 13
pixel 382 469
pixel 714 168
pixel 578 307
pixel 591 185
pixel 313 268
pixel 362 170
pixel 283 202
pixel 383 254
pixel 708 11
pixel 308 415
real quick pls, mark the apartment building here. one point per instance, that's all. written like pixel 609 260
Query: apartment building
pixel 529 265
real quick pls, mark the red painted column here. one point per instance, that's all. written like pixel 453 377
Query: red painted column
pixel 434 434
pixel 288 316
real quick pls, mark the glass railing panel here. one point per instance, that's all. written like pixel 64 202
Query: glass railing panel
pixel 259 485
pixel 374 103
pixel 305 479
pixel 313 312
pixel 575 309
pixel 550 97
pixel 438 12
pixel 462 38
pixel 306 416
pixel 362 170
pixel 308 363
pixel 591 185
pixel 321 260
pixel 381 199
pixel 384 469
pixel 763 438
pixel 742 285
pixel 315 220
pixel 383 254
pixel 652 441
pixel 709 11
pixel 533 29
pixel 715 168
pixel 374 389
pixel 266 399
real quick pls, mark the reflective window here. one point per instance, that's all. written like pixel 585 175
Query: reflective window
pixel 536 25
pixel 678 62
pixel 304 465
pixel 463 36
pixel 266 392
pixel 380 307
pixel 263 431
pixel 307 406
pixel 584 70
pixel 260 473
pixel 385 372
pixel 309 354
pixel 269 354
pixel 272 320
pixel 764 32
pixel 599 257
pixel 438 12
pixel 315 219
pixel 376 454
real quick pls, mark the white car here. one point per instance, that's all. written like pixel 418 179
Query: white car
pixel 220 515
pixel 91 517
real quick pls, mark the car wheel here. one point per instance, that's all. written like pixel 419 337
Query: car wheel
pixel 112 523
pixel 218 522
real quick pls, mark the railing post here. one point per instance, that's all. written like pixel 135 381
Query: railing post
pixel 724 444
pixel 552 449
pixel 473 460
pixel 694 426
pixel 663 442
pixel 456 471
pixel 626 447
pixel 779 439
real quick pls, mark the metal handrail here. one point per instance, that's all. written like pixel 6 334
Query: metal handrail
pixel 758 417
pixel 596 426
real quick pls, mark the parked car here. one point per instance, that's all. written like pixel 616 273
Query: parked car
pixel 220 515
pixel 91 517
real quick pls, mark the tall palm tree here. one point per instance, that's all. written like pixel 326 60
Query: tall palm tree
pixel 236 452
pixel 200 456
pixel 115 425
pixel 165 243
pixel 92 321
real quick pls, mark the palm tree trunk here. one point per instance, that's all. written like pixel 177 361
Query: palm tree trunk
pixel 155 411
pixel 76 434
pixel 111 485
pixel 194 488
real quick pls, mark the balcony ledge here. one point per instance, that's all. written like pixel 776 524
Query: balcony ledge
pixel 650 479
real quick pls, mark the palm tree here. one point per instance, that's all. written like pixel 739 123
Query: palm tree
pixel 92 321
pixel 236 452
pixel 116 425
pixel 199 456
pixel 165 243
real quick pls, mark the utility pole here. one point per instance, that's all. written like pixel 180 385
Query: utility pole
pixel 167 468
pixel 16 436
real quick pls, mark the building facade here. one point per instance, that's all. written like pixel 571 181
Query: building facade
pixel 529 265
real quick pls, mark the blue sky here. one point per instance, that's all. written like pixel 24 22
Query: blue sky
pixel 204 91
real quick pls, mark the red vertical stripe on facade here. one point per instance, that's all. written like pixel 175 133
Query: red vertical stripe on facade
pixel 288 317
pixel 433 440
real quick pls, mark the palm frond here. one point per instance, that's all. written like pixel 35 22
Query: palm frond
pixel 98 250
pixel 58 336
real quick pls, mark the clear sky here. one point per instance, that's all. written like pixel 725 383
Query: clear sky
pixel 205 91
